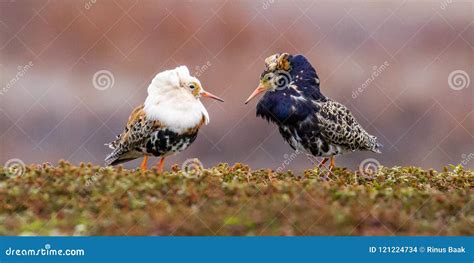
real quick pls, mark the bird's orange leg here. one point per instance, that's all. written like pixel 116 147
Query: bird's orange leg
pixel 161 164
pixel 329 170
pixel 144 162
pixel 332 164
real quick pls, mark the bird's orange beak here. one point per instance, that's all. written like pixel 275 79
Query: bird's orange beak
pixel 257 91
pixel 210 95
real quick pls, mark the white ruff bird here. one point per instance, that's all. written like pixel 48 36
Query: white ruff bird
pixel 167 123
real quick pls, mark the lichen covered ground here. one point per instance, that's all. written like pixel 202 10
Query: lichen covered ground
pixel 235 200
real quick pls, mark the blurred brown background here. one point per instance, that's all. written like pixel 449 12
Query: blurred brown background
pixel 50 51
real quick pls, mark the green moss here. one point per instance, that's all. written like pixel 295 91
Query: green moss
pixel 234 200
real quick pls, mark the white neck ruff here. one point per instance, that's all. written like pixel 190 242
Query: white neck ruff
pixel 177 109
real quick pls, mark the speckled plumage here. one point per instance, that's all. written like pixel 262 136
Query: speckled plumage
pixel 168 121
pixel 308 120
pixel 143 136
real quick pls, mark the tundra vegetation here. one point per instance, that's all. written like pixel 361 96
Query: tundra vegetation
pixel 235 200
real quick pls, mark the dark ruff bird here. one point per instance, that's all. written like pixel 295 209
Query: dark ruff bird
pixel 309 121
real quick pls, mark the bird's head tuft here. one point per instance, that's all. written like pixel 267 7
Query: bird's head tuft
pixel 276 75
pixel 283 71
pixel 178 82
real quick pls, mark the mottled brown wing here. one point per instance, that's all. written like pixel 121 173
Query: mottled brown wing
pixel 136 132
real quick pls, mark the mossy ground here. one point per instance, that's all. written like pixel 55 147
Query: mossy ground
pixel 234 200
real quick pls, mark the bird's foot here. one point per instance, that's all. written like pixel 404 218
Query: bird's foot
pixel 315 162
pixel 322 164
pixel 326 176
pixel 161 165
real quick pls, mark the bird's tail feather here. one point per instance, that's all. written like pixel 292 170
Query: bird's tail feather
pixel 118 157
pixel 377 148
pixel 121 160
pixel 374 146
pixel 112 158
pixel 110 145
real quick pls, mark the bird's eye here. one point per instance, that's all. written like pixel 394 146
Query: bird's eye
pixel 192 86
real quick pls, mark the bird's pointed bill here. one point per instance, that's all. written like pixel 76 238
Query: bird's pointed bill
pixel 257 91
pixel 210 95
